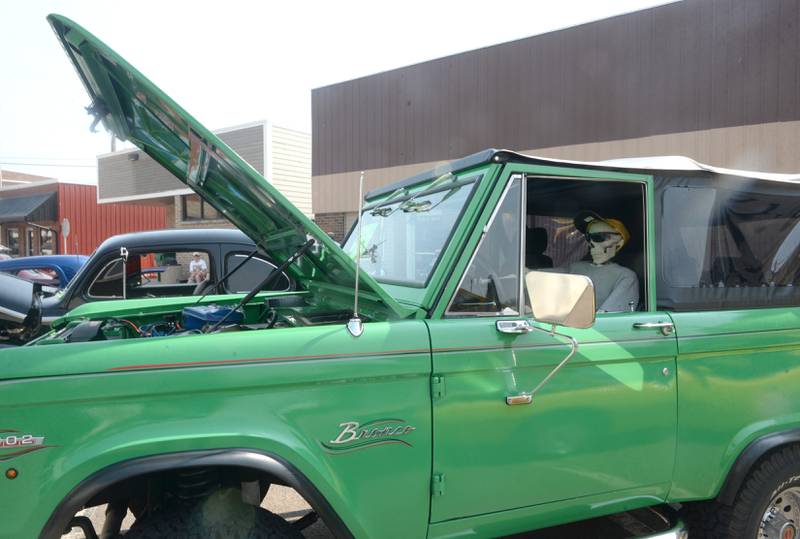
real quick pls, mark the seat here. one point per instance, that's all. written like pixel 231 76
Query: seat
pixel 535 246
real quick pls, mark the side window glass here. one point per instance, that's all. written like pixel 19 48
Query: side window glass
pixel 154 274
pixel 727 248
pixel 491 283
pixel 251 274
pixel 590 227
pixel 689 211
pixel 168 273
pixel 108 282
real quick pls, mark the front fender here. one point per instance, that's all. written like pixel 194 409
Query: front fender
pixel 284 392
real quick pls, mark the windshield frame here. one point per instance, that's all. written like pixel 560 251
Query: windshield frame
pixel 470 180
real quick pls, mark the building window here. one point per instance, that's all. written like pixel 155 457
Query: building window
pixel 12 241
pixel 47 241
pixel 195 208
pixel 30 242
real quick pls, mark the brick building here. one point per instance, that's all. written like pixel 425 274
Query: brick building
pixel 282 156
pixel 33 210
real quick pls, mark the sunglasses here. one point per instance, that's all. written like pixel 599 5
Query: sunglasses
pixel 600 237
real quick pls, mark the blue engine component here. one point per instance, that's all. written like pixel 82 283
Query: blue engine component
pixel 197 317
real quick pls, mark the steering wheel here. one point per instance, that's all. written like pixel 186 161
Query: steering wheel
pixel 202 286
pixel 272 317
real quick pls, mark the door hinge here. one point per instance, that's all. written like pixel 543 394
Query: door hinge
pixel 437 484
pixel 437 386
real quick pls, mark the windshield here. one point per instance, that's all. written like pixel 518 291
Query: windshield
pixel 403 236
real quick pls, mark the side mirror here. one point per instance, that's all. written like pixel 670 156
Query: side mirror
pixel 561 299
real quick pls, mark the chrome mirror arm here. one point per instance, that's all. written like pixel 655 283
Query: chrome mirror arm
pixel 523 326
pixel 573 350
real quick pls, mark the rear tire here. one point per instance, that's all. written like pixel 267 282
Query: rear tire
pixel 766 506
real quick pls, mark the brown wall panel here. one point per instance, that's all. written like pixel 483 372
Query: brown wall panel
pixel 688 66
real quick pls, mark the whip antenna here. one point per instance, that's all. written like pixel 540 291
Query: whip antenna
pixel 355 326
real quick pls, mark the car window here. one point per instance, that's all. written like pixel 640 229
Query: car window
pixel 108 282
pixel 403 238
pixel 590 227
pixel 45 276
pixel 726 245
pixel 154 274
pixel 251 274
pixel 491 283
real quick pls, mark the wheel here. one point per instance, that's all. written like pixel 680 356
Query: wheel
pixel 221 516
pixel 766 507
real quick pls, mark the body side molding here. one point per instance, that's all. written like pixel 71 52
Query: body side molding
pixel 747 458
pixel 249 458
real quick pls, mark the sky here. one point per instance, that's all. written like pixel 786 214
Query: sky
pixel 234 62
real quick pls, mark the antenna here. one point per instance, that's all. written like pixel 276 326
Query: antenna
pixel 355 326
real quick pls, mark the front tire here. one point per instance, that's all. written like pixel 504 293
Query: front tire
pixel 767 505
pixel 221 516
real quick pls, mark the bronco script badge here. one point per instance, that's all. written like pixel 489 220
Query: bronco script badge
pixel 354 436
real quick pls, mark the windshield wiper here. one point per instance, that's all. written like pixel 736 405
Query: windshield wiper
pixel 411 206
pixel 381 210
pixel 274 274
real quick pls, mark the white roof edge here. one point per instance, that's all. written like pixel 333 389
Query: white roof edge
pixel 146 196
pixel 30 185
pixel 671 163
pixel 247 125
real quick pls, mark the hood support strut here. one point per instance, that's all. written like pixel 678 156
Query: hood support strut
pixel 274 274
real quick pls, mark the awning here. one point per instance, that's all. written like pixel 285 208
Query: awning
pixel 31 208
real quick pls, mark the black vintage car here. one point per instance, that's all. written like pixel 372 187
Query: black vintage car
pixel 161 263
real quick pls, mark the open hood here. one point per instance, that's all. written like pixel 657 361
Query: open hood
pixel 134 109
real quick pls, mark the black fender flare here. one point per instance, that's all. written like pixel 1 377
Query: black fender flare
pixel 248 458
pixel 752 454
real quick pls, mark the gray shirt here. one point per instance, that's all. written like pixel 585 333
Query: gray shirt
pixel 615 286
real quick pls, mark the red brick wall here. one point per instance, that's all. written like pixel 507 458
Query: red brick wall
pixel 333 224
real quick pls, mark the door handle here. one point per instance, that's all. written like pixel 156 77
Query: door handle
pixel 666 327
pixel 513 327
pixel 522 398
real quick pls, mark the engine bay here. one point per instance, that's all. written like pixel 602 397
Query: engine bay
pixel 274 312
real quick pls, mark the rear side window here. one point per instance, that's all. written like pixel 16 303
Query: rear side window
pixel 728 244
pixel 154 274
pixel 45 276
pixel 251 274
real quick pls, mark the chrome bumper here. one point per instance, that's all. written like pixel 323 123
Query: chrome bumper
pixel 679 531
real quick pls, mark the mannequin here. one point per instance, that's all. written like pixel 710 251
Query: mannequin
pixel 616 287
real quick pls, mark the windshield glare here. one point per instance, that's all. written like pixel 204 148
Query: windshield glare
pixel 401 241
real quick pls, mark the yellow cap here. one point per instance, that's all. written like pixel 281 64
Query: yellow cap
pixel 585 218
pixel 617 225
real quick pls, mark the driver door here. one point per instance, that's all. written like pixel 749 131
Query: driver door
pixel 602 426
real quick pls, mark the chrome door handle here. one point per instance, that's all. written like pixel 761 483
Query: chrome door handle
pixel 666 327
pixel 513 326
pixel 522 398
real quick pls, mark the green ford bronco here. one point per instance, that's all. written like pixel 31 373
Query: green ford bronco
pixel 528 343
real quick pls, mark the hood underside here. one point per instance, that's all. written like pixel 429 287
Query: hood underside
pixel 134 109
